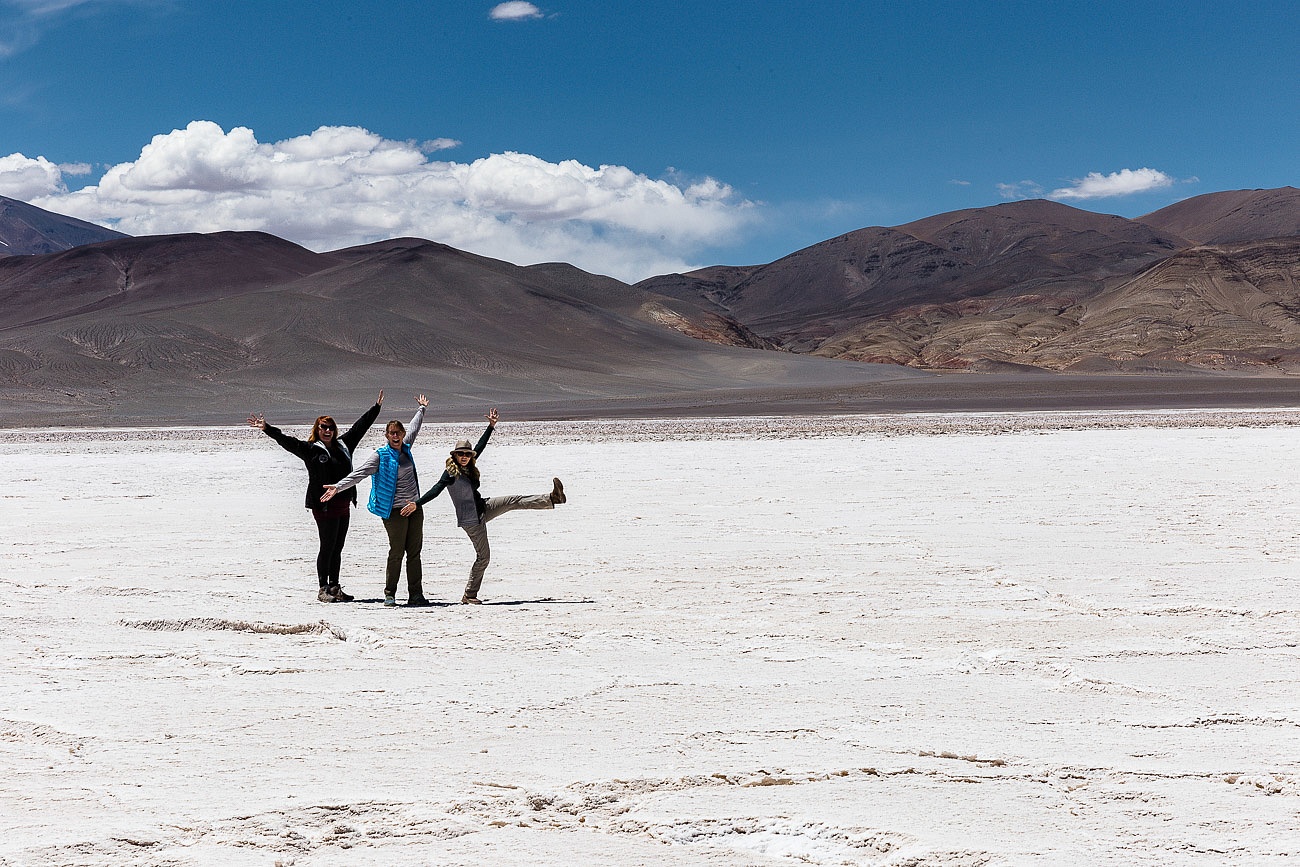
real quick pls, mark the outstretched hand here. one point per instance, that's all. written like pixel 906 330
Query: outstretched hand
pixel 258 421
pixel 492 417
pixel 380 400
pixel 330 491
pixel 421 400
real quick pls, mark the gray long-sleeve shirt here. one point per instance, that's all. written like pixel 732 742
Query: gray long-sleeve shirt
pixel 407 490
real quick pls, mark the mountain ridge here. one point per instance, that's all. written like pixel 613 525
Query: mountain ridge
pixel 27 230
pixel 986 288
pixel 198 326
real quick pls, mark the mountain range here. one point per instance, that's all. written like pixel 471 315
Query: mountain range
pixel 1206 284
pixel 205 328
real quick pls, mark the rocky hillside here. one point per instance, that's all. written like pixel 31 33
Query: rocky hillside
pixel 27 230
pixel 197 326
pixel 1207 284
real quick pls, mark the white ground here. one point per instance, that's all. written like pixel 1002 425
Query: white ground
pixel 838 641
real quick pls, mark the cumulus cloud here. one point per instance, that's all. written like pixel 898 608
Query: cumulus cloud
pixel 1125 182
pixel 515 10
pixel 341 186
pixel 25 178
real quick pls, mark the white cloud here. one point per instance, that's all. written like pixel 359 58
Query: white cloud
pixel 1020 190
pixel 515 10
pixel 1125 182
pixel 341 186
pixel 24 178
pixel 439 144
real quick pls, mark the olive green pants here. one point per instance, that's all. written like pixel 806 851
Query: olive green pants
pixel 405 539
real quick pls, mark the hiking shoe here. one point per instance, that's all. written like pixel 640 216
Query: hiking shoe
pixel 326 595
pixel 418 602
pixel 470 600
pixel 339 595
pixel 557 492
pixel 390 602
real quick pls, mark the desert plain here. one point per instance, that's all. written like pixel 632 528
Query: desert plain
pixel 1064 638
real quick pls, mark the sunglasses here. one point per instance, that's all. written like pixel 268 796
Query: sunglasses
pixel 463 454
pixel 328 427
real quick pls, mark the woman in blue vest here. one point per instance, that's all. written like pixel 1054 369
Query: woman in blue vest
pixel 328 457
pixel 395 485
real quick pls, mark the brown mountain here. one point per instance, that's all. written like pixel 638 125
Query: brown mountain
pixel 28 230
pixel 1031 285
pixel 1044 248
pixel 206 327
pixel 1233 307
pixel 1240 215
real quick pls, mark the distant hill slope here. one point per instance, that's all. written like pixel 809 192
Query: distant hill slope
pixel 1240 215
pixel 205 327
pixel 27 230
pixel 1035 285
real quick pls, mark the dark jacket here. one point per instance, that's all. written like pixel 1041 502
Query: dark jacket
pixel 447 478
pixel 325 466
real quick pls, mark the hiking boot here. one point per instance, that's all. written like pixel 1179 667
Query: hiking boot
pixel 326 595
pixel 339 595
pixel 418 602
pixel 390 601
pixel 470 600
pixel 557 492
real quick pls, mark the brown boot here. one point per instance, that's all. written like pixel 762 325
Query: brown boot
pixel 470 600
pixel 557 492
pixel 325 595
pixel 339 595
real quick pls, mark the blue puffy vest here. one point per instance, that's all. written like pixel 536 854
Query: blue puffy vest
pixel 383 487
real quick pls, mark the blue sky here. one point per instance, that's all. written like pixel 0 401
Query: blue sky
pixel 632 138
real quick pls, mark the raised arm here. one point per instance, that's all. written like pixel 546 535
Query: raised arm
pixel 293 445
pixel 418 419
pixel 492 417
pixel 359 428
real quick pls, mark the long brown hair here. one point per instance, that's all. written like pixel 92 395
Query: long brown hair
pixel 315 428
pixel 470 470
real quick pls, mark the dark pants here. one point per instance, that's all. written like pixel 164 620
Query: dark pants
pixel 333 533
pixel 405 539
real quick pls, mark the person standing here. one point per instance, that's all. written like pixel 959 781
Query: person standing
pixel 461 481
pixel 393 492
pixel 328 457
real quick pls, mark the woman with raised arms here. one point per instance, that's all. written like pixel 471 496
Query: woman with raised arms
pixel 461 481
pixel 393 492
pixel 328 456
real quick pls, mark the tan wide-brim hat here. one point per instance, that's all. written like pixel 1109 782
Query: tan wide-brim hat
pixel 464 446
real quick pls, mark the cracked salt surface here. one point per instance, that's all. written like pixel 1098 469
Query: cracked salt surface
pixel 1067 639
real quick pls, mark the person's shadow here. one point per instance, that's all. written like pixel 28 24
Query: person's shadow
pixel 546 600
